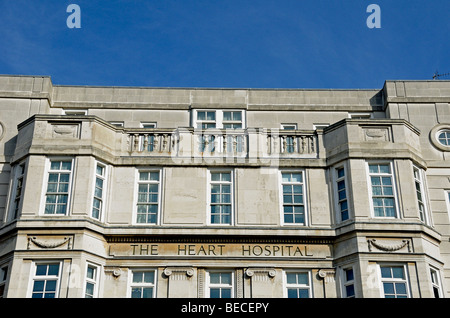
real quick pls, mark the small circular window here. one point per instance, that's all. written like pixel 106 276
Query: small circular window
pixel 444 137
pixel 440 137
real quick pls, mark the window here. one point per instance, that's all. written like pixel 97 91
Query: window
pixel 341 194
pixel 420 194
pixel 221 198
pixel 382 190
pixel 444 137
pixel 91 281
pixel 221 119
pixel 395 284
pixel 293 208
pixel 436 283
pixel 18 186
pixel 143 284
pixel 3 277
pixel 220 284
pixel 298 285
pixel 45 280
pixel 58 187
pixel 206 119
pixel 117 123
pixel 360 115
pixel 348 283
pixel 151 138
pixel 232 119
pixel 148 196
pixel 99 191
pixel 76 112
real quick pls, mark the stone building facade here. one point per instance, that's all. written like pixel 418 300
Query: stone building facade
pixel 116 192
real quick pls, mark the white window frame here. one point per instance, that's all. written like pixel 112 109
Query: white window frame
pixel 307 287
pixel 17 174
pixel 209 189
pixel 94 281
pixel 336 179
pixel 119 124
pixel 102 200
pixel 219 118
pixel 362 115
pixel 289 126
pixel 436 281
pixel 345 282
pixel 394 187
pixel 447 201
pixel 75 112
pixel 419 179
pixel 209 285
pixel 136 193
pixel 394 280
pixel 34 277
pixel 305 196
pixel 45 183
pixel 132 285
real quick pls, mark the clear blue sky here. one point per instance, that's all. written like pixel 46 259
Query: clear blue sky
pixel 226 43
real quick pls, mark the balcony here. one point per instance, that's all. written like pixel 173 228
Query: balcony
pixel 90 135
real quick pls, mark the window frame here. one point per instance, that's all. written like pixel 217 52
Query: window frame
pixel 104 190
pixel 304 193
pixel 209 193
pixel 219 118
pixel 394 188
pixel 17 174
pixel 406 280
pixel 336 179
pixel 131 284
pixel 47 172
pixel 208 284
pixel 4 277
pixel 95 281
pixel 136 202
pixel 422 188
pixel 438 284
pixel 345 282
pixel 34 277
pixel 308 287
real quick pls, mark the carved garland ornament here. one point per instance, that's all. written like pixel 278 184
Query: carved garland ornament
pixel 46 244
pixel 388 248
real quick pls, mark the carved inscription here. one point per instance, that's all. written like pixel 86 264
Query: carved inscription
pixel 218 250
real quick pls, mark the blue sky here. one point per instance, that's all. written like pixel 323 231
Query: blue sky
pixel 226 43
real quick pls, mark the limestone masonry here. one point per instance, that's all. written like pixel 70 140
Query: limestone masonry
pixel 116 192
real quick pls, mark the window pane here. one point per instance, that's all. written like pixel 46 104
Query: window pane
pixel 397 272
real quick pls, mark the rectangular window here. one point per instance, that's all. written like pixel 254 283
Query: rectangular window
pixel 19 175
pixel 217 118
pixel 382 190
pixel 91 281
pixel 143 284
pixel 348 283
pixel 58 187
pixel 206 119
pixel 293 209
pixel 232 119
pixel 220 284
pixel 341 194
pixel 99 191
pixel 420 194
pixel 298 285
pixel 3 278
pixel 394 281
pixel 221 198
pixel 148 196
pixel 436 283
pixel 45 280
